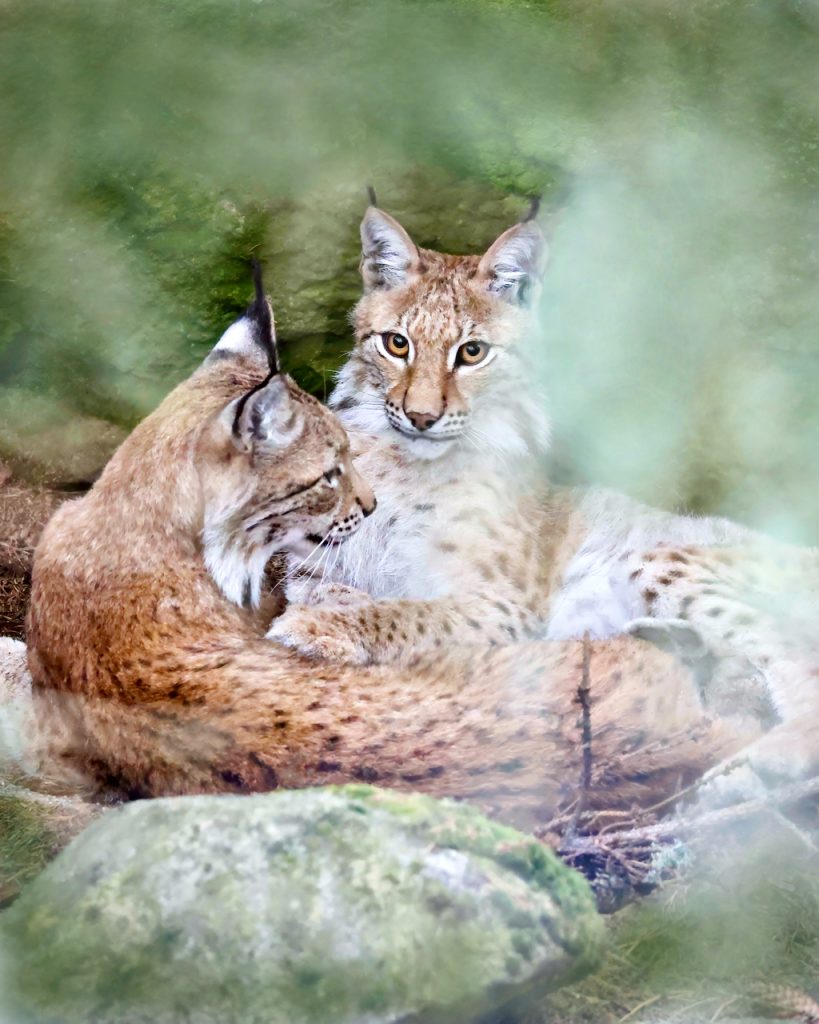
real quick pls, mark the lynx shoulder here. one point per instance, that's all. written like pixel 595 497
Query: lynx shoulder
pixel 470 544
pixel 153 676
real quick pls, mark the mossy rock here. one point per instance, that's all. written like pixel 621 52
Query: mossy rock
pixel 342 904
pixel 26 842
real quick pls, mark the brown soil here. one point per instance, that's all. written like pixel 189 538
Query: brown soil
pixel 24 511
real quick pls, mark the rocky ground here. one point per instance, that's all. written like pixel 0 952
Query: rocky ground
pixel 392 910
pixel 367 906
pixel 24 510
pixel 346 905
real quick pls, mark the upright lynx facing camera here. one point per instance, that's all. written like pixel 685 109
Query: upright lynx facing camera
pixel 471 545
pixel 152 674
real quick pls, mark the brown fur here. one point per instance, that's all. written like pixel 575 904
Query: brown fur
pixel 471 545
pixel 148 681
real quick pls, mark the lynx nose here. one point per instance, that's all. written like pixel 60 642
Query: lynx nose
pixel 422 420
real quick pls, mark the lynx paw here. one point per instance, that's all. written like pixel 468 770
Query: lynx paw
pixel 780 756
pixel 674 635
pixel 730 783
pixel 319 633
pixel 303 590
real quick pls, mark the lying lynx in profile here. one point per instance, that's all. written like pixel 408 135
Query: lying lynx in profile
pixel 471 545
pixel 152 674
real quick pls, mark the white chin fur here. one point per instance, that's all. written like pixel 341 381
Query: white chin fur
pixel 422 447
pixel 237 576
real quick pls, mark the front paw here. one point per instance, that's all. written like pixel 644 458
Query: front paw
pixel 319 633
pixel 677 636
pixel 779 757
pixel 730 783
pixel 306 591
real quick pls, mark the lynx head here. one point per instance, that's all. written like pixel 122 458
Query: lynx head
pixel 275 468
pixel 439 340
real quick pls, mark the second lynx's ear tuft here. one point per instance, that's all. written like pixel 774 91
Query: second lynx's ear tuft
pixel 514 264
pixel 388 254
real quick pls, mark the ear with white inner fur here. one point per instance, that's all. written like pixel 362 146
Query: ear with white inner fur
pixel 514 264
pixel 267 417
pixel 254 334
pixel 388 254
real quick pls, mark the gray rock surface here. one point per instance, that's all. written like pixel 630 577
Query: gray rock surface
pixel 15 682
pixel 327 906
pixel 15 701
pixel 34 823
pixel 51 443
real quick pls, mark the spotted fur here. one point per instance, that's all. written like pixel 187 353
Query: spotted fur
pixel 152 677
pixel 471 546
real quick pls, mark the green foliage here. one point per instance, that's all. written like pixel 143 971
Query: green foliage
pixel 150 149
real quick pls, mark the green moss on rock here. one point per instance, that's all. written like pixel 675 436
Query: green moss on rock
pixel 338 905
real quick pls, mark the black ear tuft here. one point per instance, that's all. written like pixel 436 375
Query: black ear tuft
pixel 388 254
pixel 258 312
pixel 534 209
pixel 513 265
pixel 371 196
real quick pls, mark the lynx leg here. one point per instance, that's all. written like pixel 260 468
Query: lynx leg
pixel 744 607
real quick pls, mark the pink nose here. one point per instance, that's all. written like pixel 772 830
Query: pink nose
pixel 422 420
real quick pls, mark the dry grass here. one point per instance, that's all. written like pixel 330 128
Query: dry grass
pixel 24 511
pixel 735 934
pixel 33 829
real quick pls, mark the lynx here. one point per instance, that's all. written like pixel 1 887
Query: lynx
pixel 471 545
pixel 152 674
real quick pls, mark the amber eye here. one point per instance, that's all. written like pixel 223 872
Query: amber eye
pixel 472 353
pixel 396 344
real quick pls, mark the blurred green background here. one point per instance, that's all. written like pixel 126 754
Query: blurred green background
pixel 149 149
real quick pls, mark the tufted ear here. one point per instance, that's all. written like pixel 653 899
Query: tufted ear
pixel 254 334
pixel 267 416
pixel 513 265
pixel 388 254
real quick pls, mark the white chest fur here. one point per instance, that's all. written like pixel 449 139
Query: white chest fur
pixel 389 557
pixel 400 550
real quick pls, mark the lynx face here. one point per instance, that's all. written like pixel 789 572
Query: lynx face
pixel 436 360
pixel 276 475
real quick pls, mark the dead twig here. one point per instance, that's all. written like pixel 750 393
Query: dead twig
pixel 584 700
pixel 685 826
pixel 640 1006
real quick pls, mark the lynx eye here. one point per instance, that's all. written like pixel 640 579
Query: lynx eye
pixel 396 344
pixel 332 475
pixel 472 353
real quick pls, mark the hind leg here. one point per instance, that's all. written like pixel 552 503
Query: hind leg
pixel 744 604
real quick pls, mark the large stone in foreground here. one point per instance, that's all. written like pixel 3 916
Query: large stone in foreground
pixel 325 906
pixel 33 825
pixel 16 708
